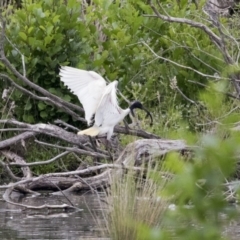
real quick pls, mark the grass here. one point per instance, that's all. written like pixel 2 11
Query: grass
pixel 133 203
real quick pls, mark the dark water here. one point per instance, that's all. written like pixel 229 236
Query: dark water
pixel 16 223
pixel 57 224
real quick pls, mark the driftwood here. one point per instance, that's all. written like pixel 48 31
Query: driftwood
pixel 133 154
pixel 220 7
pixel 7 194
pixel 65 182
pixel 18 160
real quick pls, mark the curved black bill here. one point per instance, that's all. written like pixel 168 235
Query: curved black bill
pixel 148 114
pixel 132 112
pixel 137 104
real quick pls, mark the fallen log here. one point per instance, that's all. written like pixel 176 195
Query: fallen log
pixel 18 160
pixel 134 154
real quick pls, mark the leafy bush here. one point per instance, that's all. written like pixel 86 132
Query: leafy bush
pixel 47 34
pixel 117 40
pixel 194 199
pixel 106 36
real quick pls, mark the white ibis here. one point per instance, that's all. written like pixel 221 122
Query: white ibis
pixel 99 100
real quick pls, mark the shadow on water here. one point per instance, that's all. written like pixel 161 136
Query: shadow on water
pixel 44 224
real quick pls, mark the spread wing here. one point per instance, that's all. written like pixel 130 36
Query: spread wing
pixel 108 112
pixel 87 85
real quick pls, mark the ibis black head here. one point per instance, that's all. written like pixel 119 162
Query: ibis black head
pixel 137 104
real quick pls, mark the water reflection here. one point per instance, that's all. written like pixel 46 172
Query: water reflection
pixel 63 225
pixel 48 224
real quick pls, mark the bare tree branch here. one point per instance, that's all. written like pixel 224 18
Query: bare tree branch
pixel 45 99
pixel 22 56
pixel 9 171
pixel 50 130
pixel 207 30
pixel 207 87
pixel 182 66
pixel 134 153
pixel 8 192
pixel 138 133
pixel 66 125
pixel 18 160
pixel 13 140
pixel 40 162
pixel 77 150
pixel 84 146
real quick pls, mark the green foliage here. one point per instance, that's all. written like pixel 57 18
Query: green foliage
pixel 36 153
pixel 47 34
pixel 106 38
pixel 197 187
pixel 112 38
pixel 198 190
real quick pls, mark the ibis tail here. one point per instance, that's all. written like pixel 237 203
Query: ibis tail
pixel 92 131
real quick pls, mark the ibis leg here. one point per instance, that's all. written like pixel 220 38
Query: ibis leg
pixel 126 125
pixel 96 159
pixel 93 144
pixel 108 147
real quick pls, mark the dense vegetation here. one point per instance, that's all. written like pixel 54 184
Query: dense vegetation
pixel 176 69
pixel 112 39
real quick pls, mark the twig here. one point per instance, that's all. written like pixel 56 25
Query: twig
pixel 49 99
pixel 55 131
pixel 9 172
pixel 15 129
pixel 180 46
pixel 76 150
pixel 68 126
pixel 192 23
pixel 16 139
pixel 40 162
pixel 207 87
pixel 180 65
pixel 133 132
pixel 88 170
pixel 63 193
pixel 18 160
pixel 55 100
pixel 22 56
pixel 6 197
pixel 48 129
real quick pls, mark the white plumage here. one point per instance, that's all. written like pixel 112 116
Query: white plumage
pixel 99 100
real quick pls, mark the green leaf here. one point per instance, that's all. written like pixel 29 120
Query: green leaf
pixel 106 4
pixel 43 28
pixel 14 52
pixel 49 29
pixel 71 3
pixel 52 90
pixel 56 19
pixel 41 106
pixel 23 36
pixel 173 163
pixel 48 39
pixel 67 98
pixel 30 30
pixel 28 106
pixel 28 118
pixel 32 41
pixel 44 114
